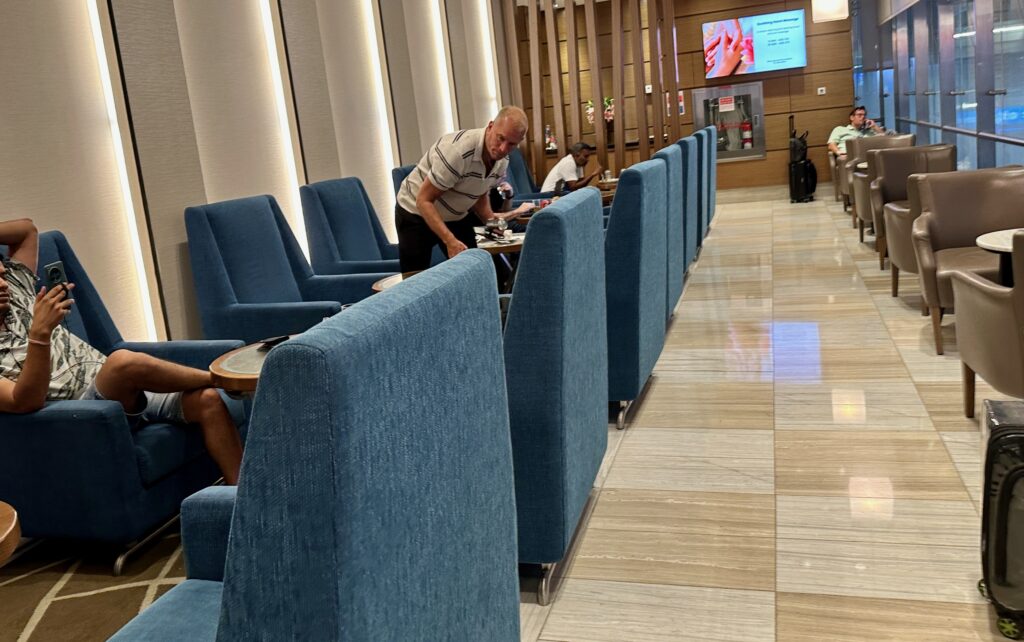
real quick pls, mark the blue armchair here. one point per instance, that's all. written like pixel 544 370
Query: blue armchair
pixel 691 213
pixel 557 377
pixel 712 170
pixel 675 262
pixel 635 276
pixel 703 140
pixel 398 175
pixel 75 469
pixel 345 235
pixel 376 497
pixel 519 176
pixel 251 278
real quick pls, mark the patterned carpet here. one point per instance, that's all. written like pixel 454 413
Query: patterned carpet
pixel 61 592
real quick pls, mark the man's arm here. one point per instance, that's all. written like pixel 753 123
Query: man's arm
pixel 832 147
pixel 583 182
pixel 22 238
pixel 428 210
pixel 28 393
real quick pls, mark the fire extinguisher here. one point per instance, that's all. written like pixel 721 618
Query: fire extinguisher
pixel 747 134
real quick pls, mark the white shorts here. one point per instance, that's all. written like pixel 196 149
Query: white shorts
pixel 160 406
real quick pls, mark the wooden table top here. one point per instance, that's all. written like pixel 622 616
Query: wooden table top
pixel 392 281
pixel 239 370
pixel 10 531
pixel 1000 241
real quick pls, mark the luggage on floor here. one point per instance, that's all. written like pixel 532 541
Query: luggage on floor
pixel 1002 522
pixel 803 177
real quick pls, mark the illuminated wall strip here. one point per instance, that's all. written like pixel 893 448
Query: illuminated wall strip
pixel 490 62
pixel 122 170
pixel 441 61
pixel 375 45
pixel 298 225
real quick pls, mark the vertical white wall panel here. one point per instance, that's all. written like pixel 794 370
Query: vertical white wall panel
pixel 431 79
pixel 473 65
pixel 232 96
pixel 57 162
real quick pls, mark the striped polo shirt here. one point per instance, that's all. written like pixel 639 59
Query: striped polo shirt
pixel 455 165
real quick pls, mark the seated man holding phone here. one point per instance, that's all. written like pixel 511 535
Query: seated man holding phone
pixel 860 125
pixel 40 360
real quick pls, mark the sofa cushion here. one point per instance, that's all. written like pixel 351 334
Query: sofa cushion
pixel 188 612
pixel 963 259
pixel 161 449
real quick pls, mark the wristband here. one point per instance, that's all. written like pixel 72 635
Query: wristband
pixel 39 343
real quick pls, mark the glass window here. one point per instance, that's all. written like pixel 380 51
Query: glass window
pixel 1009 154
pixel 1008 64
pixel 911 70
pixel 966 152
pixel 963 62
pixel 934 97
pixel 888 99
pixel 865 88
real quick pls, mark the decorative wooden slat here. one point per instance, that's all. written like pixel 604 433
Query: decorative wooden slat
pixel 595 81
pixel 512 50
pixel 573 64
pixel 670 65
pixel 618 69
pixel 555 75
pixel 638 76
pixel 657 91
pixel 537 130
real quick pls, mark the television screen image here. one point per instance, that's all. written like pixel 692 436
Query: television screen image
pixel 754 44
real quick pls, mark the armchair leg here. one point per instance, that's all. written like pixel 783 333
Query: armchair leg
pixel 968 379
pixel 881 247
pixel 137 546
pixel 924 308
pixel 553 574
pixel 860 228
pixel 895 274
pixel 936 314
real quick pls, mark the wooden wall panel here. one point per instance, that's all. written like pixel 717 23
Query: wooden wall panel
pixel 829 65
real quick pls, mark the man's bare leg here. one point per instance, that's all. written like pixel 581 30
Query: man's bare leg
pixel 206 408
pixel 125 374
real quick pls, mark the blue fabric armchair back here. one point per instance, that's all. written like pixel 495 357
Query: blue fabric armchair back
pixel 712 169
pixel 398 175
pixel 341 222
pixel 377 498
pixel 702 179
pixel 519 174
pixel 89 319
pixel 691 215
pixel 557 372
pixel 675 262
pixel 635 257
pixel 243 251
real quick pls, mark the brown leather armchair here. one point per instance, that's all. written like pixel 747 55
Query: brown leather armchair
pixel 891 200
pixel 989 318
pixel 957 208
pixel 856 152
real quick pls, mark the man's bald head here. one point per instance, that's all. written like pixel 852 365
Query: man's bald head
pixel 513 116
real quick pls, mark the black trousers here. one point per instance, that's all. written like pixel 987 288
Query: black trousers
pixel 416 241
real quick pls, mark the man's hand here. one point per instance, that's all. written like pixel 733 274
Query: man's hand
pixel 49 310
pixel 454 247
pixel 523 208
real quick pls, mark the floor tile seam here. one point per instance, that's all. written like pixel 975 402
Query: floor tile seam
pixel 659 585
pixel 970 548
pixel 678 532
pixel 945 447
pixel 775 472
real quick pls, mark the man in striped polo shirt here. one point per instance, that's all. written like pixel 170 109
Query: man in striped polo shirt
pixel 453 177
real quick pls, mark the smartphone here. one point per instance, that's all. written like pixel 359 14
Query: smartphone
pixel 53 275
pixel 267 344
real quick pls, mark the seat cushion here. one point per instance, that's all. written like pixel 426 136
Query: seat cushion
pixel 161 449
pixel 963 259
pixel 189 612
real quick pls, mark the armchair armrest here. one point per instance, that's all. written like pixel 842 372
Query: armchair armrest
pixel 195 354
pixel 926 260
pixel 877 203
pixel 205 526
pixel 251 322
pixel 360 267
pixel 343 288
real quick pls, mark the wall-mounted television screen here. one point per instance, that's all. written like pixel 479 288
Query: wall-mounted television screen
pixel 754 44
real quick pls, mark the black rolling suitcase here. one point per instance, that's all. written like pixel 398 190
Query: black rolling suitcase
pixel 1002 522
pixel 803 177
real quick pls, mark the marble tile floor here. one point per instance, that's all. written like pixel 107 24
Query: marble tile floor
pixel 800 467
pixel 799 470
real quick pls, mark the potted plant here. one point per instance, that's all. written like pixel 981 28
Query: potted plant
pixel 608 113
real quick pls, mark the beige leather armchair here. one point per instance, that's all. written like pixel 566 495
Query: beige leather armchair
pixel 833 163
pixel 856 152
pixel 989 318
pixel 957 208
pixel 891 200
